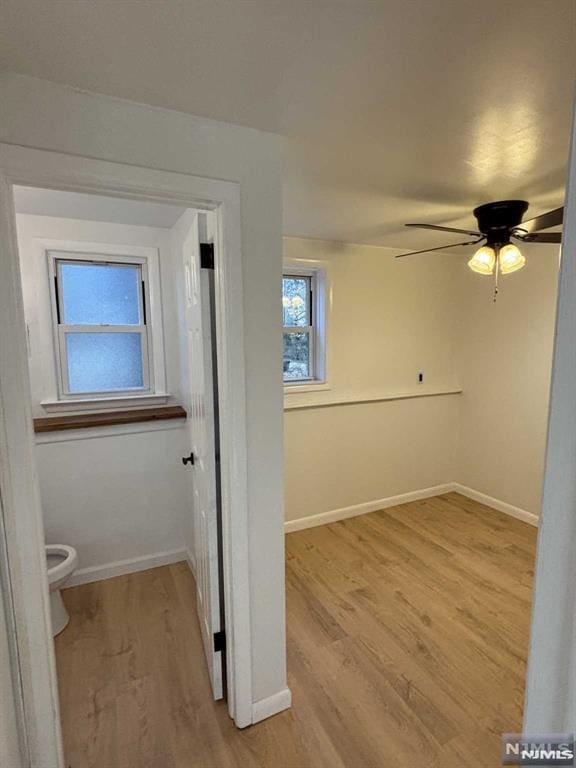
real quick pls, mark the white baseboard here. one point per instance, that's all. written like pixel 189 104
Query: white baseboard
pixel 191 561
pixel 501 506
pixel 362 509
pixel 271 705
pixel 334 515
pixel 122 567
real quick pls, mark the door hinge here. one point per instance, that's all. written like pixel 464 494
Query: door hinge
pixel 206 255
pixel 219 641
pixel 188 459
pixel 57 298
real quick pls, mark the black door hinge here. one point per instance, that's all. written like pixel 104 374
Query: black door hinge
pixel 219 641
pixel 188 459
pixel 206 255
pixel 57 296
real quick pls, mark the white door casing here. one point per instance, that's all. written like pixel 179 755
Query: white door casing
pixel 13 749
pixel 24 581
pixel 201 430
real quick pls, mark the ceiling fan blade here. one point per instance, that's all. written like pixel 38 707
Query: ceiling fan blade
pixel 545 221
pixel 445 229
pixel 440 248
pixel 542 237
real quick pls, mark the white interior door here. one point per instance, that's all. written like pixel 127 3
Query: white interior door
pixel 203 446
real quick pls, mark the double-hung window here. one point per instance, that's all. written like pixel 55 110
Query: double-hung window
pixel 303 321
pixel 100 310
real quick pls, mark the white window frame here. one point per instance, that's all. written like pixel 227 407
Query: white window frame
pixel 317 330
pixel 59 399
pixel 56 260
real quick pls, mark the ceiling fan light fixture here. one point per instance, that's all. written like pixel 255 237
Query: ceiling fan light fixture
pixel 483 261
pixel 510 259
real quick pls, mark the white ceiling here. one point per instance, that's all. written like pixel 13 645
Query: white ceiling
pixel 394 110
pixel 76 205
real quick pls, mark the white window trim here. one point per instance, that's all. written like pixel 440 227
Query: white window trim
pixel 111 403
pixel 154 392
pixel 321 312
pixel 143 329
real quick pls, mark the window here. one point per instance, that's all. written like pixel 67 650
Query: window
pixel 303 320
pixel 100 307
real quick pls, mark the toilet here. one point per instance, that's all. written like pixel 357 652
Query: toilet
pixel 61 561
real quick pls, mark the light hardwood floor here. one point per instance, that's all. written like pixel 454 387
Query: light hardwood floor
pixel 407 637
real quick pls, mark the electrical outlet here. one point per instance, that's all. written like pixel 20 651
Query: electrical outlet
pixel 420 378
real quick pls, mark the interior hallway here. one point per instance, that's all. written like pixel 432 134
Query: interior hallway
pixel 407 639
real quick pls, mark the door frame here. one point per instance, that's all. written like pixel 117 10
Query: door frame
pixel 551 677
pixel 23 584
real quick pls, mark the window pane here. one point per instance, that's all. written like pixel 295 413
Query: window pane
pixel 296 300
pixel 296 356
pixel 100 294
pixel 104 362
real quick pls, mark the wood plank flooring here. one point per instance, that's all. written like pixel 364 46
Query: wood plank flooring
pixel 407 639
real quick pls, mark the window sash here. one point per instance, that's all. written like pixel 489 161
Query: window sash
pixel 310 330
pixel 61 329
pixel 59 263
pixel 78 329
pixel 309 297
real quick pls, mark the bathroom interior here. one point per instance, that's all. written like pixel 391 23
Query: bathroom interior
pixel 117 498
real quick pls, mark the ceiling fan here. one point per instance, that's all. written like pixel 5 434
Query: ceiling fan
pixel 499 223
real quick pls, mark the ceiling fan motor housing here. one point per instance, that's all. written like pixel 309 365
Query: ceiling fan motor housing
pixel 496 220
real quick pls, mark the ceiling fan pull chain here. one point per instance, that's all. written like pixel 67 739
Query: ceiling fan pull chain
pixel 496 273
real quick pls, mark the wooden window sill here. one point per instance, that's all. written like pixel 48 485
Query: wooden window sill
pixel 108 418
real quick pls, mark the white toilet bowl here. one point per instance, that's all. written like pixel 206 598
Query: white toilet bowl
pixel 61 561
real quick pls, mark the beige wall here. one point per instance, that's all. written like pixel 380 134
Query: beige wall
pixel 355 454
pixel 505 359
pixel 392 318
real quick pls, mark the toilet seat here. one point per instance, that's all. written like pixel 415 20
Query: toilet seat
pixel 67 563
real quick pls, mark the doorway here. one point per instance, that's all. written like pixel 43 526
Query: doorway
pixel 37 671
pixel 106 303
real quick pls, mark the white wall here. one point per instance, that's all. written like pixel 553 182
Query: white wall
pixel 505 359
pixel 390 319
pixel 112 496
pixel 39 114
